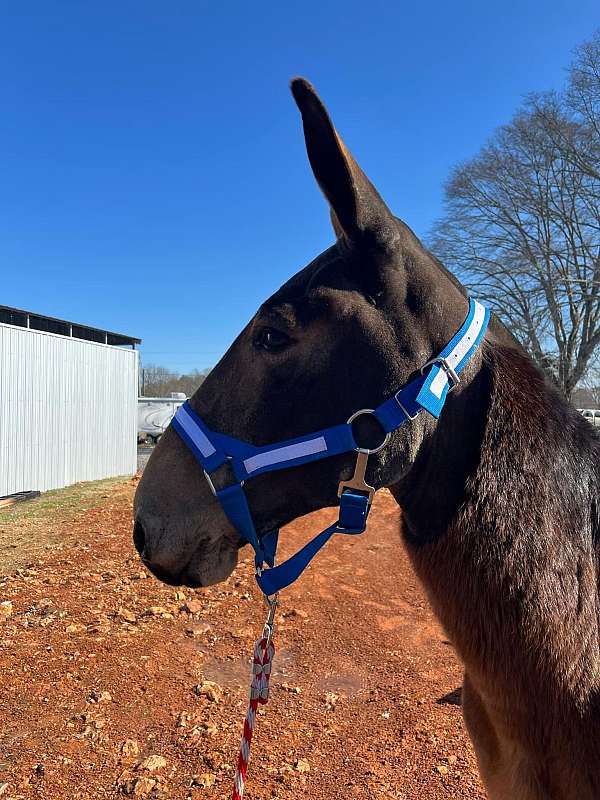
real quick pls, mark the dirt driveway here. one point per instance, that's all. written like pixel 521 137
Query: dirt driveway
pixel 113 684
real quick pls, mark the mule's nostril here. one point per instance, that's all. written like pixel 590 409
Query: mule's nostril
pixel 139 537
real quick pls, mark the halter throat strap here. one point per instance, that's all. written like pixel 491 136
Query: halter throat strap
pixel 427 392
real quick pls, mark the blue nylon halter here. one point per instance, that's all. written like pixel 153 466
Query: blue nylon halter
pixel 212 450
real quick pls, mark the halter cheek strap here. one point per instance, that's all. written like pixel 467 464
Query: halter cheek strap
pixel 213 450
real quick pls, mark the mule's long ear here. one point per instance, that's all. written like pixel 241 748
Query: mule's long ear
pixel 357 210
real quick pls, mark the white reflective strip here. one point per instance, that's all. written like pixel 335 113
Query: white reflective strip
pixel 194 432
pixel 438 383
pixel 460 350
pixel 287 453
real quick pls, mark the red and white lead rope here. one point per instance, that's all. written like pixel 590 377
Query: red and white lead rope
pixel 264 651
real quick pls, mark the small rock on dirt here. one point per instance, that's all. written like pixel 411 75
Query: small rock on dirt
pixel 205 729
pixel 152 763
pixel 209 689
pixel 100 697
pixel 196 631
pixel 302 765
pixel 287 687
pixel 6 609
pixel 204 781
pixel 158 611
pixel 183 719
pixel 296 612
pixel 193 606
pixel 140 787
pixel 130 748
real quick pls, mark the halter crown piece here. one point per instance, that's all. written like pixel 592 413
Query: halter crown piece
pixel 213 450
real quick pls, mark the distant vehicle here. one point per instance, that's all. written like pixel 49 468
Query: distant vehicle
pixel 592 415
pixel 155 414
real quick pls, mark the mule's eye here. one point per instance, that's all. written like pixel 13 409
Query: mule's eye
pixel 272 340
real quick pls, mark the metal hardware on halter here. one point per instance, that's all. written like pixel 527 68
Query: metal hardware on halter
pixel 366 450
pixel 209 480
pixel 269 626
pixel 453 378
pixel 357 481
pixel 403 407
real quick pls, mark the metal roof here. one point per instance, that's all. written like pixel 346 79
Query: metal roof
pixel 62 327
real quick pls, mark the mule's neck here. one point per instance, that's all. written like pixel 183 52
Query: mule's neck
pixel 500 520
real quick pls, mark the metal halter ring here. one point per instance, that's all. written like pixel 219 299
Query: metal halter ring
pixel 208 476
pixel 365 449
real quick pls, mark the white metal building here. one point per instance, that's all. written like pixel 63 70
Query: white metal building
pixel 68 403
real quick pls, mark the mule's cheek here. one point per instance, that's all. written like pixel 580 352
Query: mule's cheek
pixel 400 457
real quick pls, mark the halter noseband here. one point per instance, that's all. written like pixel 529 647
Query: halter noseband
pixel 213 450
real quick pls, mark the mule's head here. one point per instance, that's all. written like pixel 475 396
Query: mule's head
pixel 343 334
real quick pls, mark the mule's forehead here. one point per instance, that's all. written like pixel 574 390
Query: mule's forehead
pixel 327 267
pixel 340 268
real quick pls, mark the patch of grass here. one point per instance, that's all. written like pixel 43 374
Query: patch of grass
pixel 76 497
pixel 45 523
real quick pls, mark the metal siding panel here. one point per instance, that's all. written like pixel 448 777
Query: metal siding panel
pixel 68 410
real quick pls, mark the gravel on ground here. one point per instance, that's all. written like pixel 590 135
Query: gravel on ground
pixel 114 684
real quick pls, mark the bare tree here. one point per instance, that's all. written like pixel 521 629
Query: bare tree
pixel 157 381
pixel 580 103
pixel 583 100
pixel 587 394
pixel 522 223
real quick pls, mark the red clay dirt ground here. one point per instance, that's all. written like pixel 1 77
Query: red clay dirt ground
pixel 104 687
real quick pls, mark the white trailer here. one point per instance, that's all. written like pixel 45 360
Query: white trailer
pixel 156 413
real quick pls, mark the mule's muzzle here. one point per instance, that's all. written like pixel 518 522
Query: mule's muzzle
pixel 204 564
pixel 139 538
pixel 150 559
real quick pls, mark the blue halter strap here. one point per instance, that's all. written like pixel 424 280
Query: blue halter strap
pixel 213 450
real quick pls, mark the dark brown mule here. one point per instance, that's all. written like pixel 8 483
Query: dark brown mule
pixel 499 497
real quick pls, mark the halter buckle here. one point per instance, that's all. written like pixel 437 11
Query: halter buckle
pixel 357 481
pixel 453 379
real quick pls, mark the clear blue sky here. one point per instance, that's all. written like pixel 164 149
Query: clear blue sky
pixel 153 174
